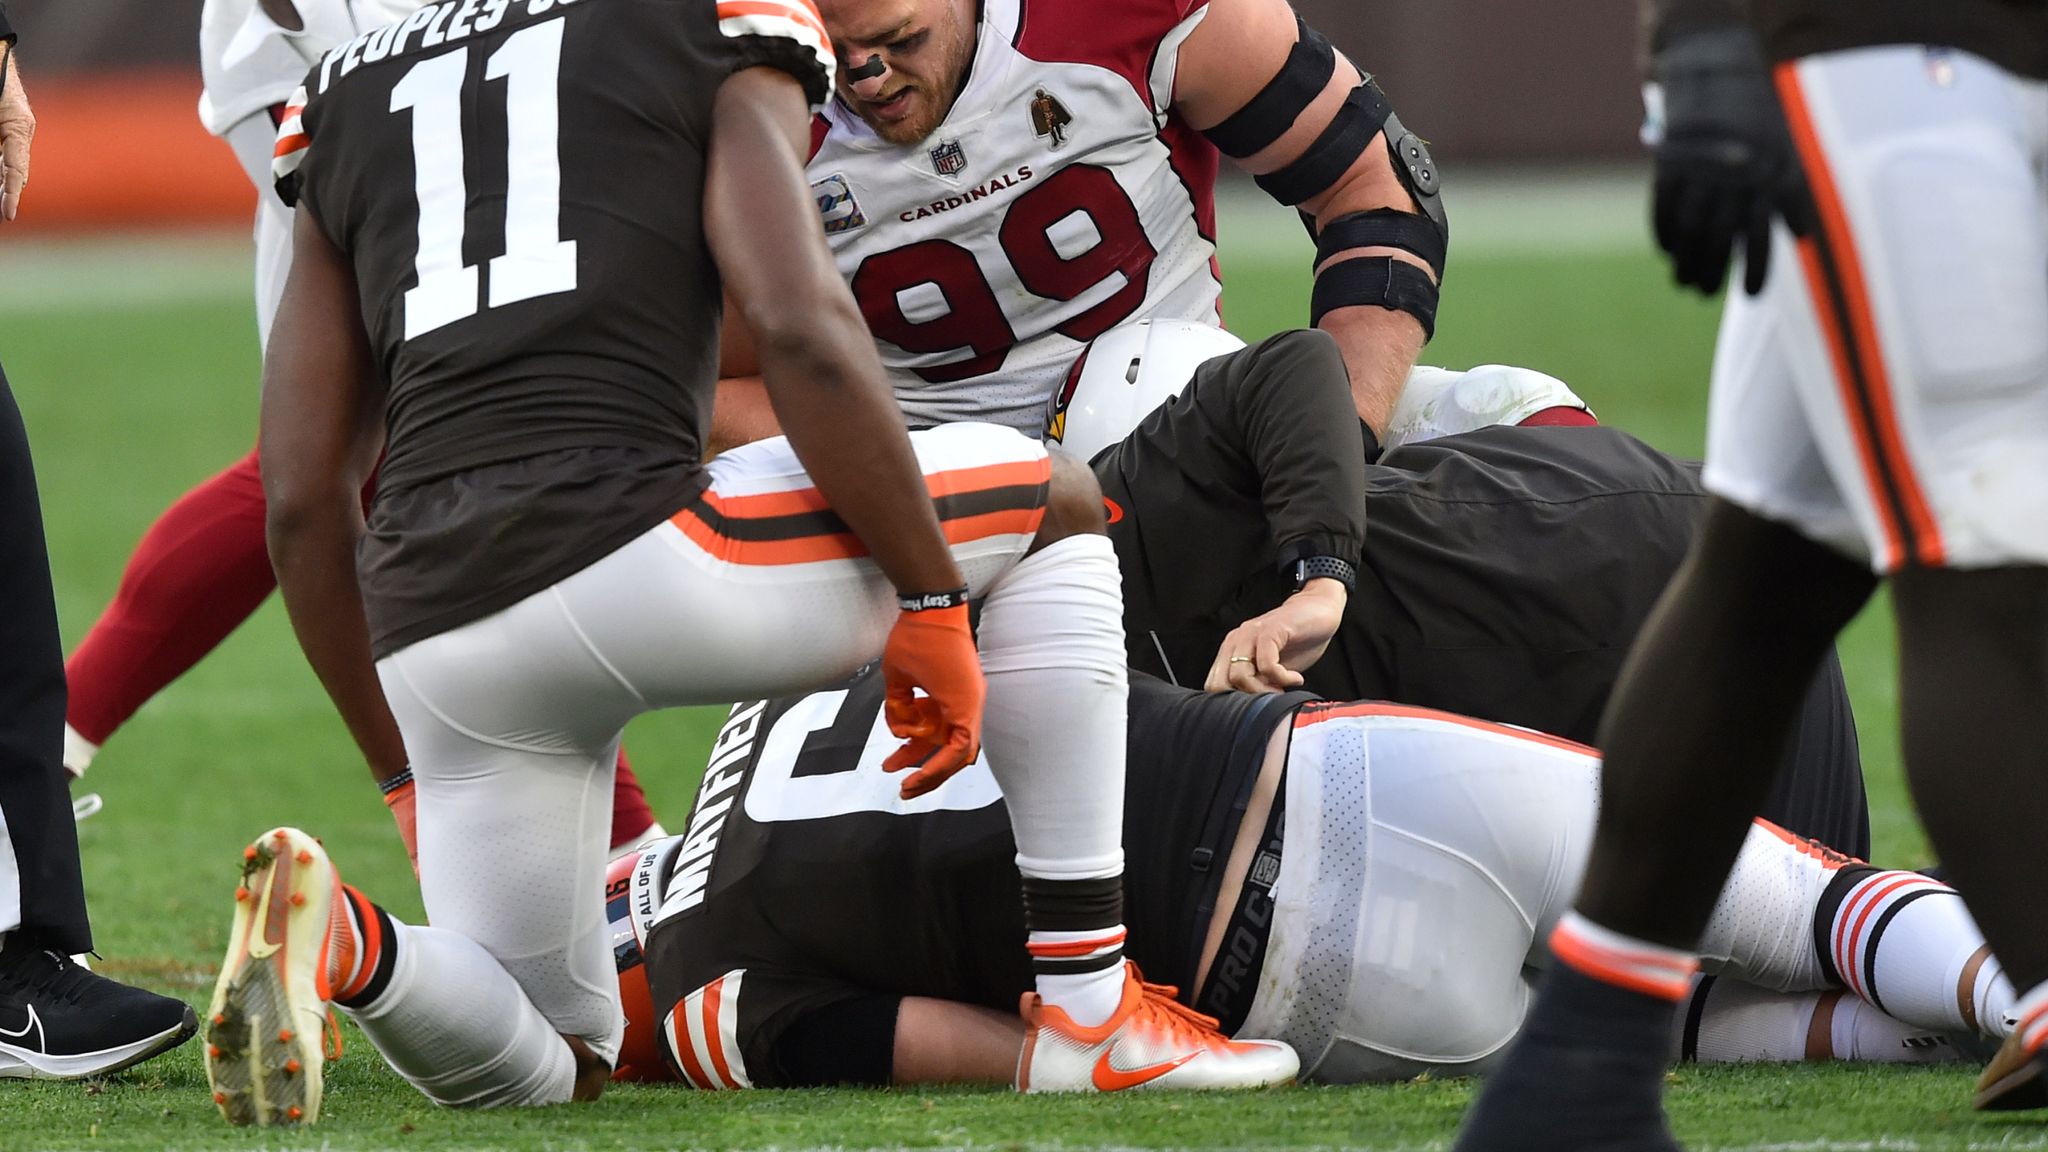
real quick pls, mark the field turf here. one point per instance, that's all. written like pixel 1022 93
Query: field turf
pixel 136 365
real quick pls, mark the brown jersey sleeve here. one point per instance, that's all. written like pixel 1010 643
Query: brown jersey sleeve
pixel 1664 19
pixel 785 34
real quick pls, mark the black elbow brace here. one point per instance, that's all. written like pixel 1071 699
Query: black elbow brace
pixel 1384 228
pixel 1377 281
pixel 1366 113
pixel 1269 115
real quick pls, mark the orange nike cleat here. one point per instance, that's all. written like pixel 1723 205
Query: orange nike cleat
pixel 1153 1042
pixel 269 1011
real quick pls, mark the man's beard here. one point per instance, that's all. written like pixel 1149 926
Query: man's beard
pixel 931 109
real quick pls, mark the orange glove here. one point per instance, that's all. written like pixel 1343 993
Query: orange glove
pixel 932 649
pixel 398 796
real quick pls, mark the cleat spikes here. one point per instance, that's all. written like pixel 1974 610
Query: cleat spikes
pixel 262 1063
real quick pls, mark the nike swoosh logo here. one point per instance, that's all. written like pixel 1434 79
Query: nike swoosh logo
pixel 273 909
pixel 1110 1078
pixel 35 1024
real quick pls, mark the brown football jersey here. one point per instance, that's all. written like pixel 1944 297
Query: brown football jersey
pixel 519 186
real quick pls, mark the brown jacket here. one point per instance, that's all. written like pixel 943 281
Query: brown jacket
pixel 2010 33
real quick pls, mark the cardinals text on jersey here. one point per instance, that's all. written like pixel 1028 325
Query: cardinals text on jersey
pixel 1058 199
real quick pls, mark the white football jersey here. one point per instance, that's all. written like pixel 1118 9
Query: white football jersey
pixel 1059 199
pixel 250 62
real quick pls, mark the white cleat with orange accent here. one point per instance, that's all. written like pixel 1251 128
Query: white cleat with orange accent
pixel 269 1011
pixel 1153 1042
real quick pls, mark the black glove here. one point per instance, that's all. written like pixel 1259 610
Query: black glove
pixel 1725 164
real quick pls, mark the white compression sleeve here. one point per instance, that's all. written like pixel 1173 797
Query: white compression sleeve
pixel 1052 646
pixel 456 1024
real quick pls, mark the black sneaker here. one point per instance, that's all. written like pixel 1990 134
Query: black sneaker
pixel 60 1021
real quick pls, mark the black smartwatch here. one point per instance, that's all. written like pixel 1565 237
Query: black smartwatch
pixel 1325 568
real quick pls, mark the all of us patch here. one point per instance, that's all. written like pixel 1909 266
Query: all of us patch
pixel 836 204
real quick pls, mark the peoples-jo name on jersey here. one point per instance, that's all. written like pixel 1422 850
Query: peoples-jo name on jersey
pixel 430 27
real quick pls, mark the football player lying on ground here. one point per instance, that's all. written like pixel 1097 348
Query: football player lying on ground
pixel 1370 882
pixel 1504 573
pixel 549 555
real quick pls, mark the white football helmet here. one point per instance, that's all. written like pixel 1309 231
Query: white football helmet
pixel 1126 373
pixel 1437 402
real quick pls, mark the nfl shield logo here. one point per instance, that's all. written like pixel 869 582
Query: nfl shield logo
pixel 948 160
pixel 836 204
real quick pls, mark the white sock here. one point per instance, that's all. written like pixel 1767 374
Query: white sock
pixel 78 752
pixel 1907 944
pixel 456 1025
pixel 1729 1022
pixel 1052 646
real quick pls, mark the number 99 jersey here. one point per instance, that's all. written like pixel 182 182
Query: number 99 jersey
pixel 1059 198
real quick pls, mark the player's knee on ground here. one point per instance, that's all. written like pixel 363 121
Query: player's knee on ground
pixel 592 1070
pixel 1073 503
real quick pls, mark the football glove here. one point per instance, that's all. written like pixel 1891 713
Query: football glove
pixel 398 796
pixel 932 649
pixel 1725 164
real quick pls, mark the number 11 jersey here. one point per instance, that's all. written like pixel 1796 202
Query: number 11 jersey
pixel 1059 198
pixel 519 185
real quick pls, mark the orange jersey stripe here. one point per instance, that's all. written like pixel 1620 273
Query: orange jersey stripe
pixel 1833 858
pixel 1838 355
pixel 1066 948
pixel 686 1052
pixel 1620 969
pixel 713 1043
pixel 1015 474
pixel 286 145
pixel 796 11
pixel 1317 713
pixel 1834 221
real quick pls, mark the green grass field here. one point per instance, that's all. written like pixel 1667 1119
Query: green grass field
pixel 136 367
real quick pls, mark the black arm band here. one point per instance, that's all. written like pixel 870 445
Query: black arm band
pixel 926 601
pixel 1349 133
pixel 1281 102
pixel 396 782
pixel 849 1042
pixel 1324 568
pixel 6 29
pixel 1378 281
pixel 1385 228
